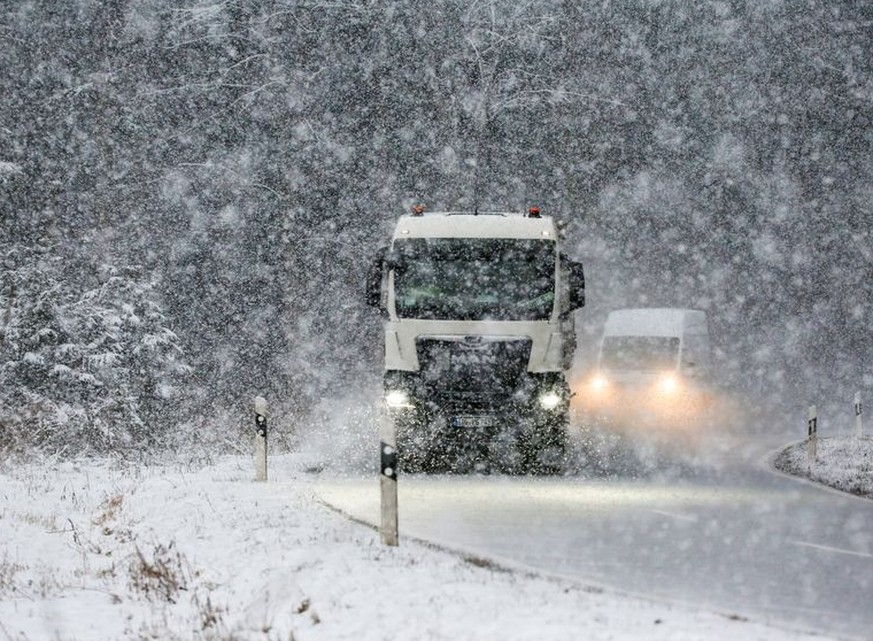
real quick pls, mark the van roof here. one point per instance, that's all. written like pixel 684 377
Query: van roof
pixel 655 322
pixel 466 225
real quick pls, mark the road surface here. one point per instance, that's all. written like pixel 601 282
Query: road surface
pixel 730 536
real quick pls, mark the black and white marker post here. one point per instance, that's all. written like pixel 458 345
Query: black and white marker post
pixel 260 438
pixel 859 420
pixel 388 477
pixel 812 434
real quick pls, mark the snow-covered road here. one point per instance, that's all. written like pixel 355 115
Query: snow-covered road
pixel 94 551
pixel 733 537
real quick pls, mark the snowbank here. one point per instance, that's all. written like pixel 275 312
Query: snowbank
pixel 842 462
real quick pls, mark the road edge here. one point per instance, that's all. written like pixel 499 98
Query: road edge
pixel 499 564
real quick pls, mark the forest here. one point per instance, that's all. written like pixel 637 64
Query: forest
pixel 190 190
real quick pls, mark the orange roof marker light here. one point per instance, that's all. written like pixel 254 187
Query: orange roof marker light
pixel 418 210
pixel 533 212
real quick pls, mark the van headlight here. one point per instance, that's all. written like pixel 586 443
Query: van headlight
pixel 550 400
pixel 668 384
pixel 397 398
pixel 599 383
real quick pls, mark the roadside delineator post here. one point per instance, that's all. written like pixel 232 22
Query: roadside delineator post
pixel 388 477
pixel 812 434
pixel 260 438
pixel 859 421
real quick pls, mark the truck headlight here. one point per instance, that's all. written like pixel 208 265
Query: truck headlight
pixel 397 398
pixel 550 400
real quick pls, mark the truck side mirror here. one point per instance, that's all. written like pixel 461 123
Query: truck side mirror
pixel 391 257
pixel 576 284
pixel 374 278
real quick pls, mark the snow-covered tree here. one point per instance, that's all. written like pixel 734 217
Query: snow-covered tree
pixel 84 367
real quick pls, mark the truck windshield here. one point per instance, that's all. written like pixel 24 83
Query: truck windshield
pixel 639 352
pixel 474 278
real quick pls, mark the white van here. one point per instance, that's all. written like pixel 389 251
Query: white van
pixel 652 363
pixel 655 340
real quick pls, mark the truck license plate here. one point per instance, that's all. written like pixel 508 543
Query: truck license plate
pixel 473 421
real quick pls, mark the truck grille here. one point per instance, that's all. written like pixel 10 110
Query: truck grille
pixel 472 375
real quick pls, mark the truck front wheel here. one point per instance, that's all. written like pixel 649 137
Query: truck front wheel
pixel 544 449
pixel 417 442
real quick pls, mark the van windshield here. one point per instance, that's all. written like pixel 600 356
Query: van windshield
pixel 474 278
pixel 639 352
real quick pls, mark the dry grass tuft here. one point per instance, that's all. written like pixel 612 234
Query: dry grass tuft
pixel 45 522
pixel 109 510
pixel 8 570
pixel 162 575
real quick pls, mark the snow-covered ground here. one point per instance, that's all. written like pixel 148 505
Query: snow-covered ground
pixel 842 462
pixel 91 552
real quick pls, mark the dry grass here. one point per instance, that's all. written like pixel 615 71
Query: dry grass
pixel 47 523
pixel 161 575
pixel 109 510
pixel 8 570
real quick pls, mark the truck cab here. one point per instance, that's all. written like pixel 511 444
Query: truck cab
pixel 479 331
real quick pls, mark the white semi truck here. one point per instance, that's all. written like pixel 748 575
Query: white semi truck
pixel 479 331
